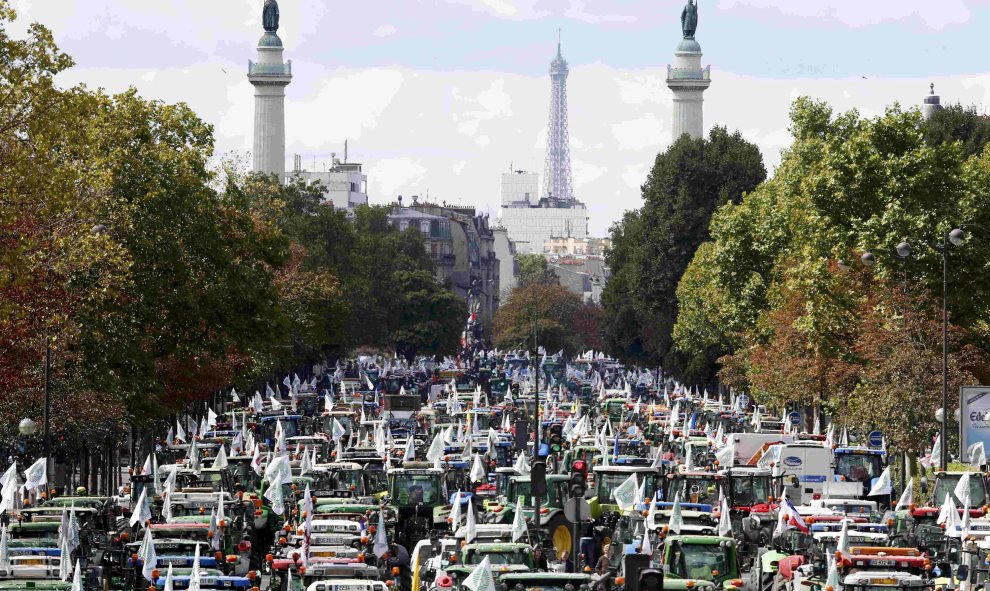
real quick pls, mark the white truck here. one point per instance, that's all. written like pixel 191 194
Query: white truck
pixel 804 466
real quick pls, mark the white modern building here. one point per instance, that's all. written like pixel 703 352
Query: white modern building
pixel 520 189
pixel 345 182
pixel 269 76
pixel 531 228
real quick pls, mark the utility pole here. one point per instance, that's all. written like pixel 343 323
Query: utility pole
pixel 536 411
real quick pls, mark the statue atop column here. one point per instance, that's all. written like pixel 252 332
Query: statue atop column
pixel 270 16
pixel 689 20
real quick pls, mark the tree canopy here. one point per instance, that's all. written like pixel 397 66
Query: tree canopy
pixel 651 247
pixel 156 279
pixel 782 285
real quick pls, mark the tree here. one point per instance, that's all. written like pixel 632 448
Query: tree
pixel 533 270
pixel 805 330
pixel 429 318
pixel 587 327
pixel 546 310
pixel 956 123
pixel 652 247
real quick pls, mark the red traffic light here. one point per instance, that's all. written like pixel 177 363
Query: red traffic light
pixel 579 466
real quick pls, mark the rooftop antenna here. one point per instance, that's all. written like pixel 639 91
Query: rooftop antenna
pixel 345 151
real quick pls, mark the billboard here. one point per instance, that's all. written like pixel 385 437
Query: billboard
pixel 974 417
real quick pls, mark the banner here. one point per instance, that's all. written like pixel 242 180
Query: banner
pixel 974 416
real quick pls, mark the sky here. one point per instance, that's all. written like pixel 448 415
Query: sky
pixel 438 97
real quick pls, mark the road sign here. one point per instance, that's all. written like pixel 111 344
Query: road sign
pixel 875 438
pixel 795 418
pixel 577 510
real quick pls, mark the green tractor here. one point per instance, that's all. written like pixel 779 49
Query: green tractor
pixel 418 492
pixel 710 559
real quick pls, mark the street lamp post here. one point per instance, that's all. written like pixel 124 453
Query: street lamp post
pixel 48 404
pixel 956 237
pixel 536 408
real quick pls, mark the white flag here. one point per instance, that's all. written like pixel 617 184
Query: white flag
pixel 64 568
pixel 76 578
pixel 10 476
pixel 962 489
pixel 522 465
pixel 410 454
pixel 337 430
pixel 142 510
pixel 195 581
pixel 435 452
pixel 948 509
pixel 148 556
pixel 907 497
pixel 833 581
pixel 36 475
pixel 883 485
pixel 169 584
pixel 518 521
pixel 725 520
pixel 676 520
pixel 646 548
pixel 471 527
pixel 481 578
pixel 220 462
pixel 651 514
pixel 478 472
pixel 381 542
pixel 4 548
pixel 455 512
pixel 843 545
pixel 936 457
pixel 180 433
pixel 625 494
pixel 977 454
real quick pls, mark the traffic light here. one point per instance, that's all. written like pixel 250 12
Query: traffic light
pixel 556 437
pixel 538 479
pixel 522 435
pixel 579 479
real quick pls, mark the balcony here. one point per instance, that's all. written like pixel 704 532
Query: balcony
pixel 255 69
pixel 689 73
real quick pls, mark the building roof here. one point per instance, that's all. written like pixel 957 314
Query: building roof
pixel 408 213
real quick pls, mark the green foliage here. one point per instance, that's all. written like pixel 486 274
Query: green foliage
pixel 429 318
pixel 533 270
pixel 769 287
pixel 549 311
pixel 155 281
pixel 652 247
pixel 956 123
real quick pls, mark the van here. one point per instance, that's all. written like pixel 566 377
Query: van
pixel 803 466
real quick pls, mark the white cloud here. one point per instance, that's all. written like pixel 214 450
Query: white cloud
pixel 489 104
pixel 345 106
pixel 856 13
pixel 500 7
pixel 454 132
pixel 634 176
pixel 644 132
pixel 639 89
pixel 585 173
pixel 392 176
pixel 385 31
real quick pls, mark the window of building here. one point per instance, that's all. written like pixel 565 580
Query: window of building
pixel 403 225
pixel 424 227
